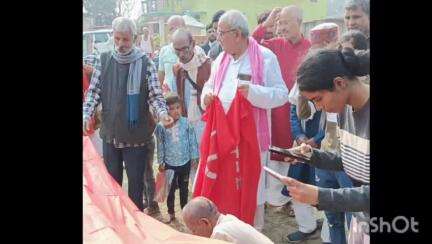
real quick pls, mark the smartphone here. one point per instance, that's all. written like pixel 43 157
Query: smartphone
pixel 289 153
pixel 273 173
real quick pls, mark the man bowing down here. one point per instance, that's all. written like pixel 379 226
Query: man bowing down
pixel 245 82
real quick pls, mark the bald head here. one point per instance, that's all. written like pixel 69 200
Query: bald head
pixel 200 216
pixel 175 22
pixel 199 207
pixel 292 12
pixel 289 23
pixel 181 35
pixel 183 44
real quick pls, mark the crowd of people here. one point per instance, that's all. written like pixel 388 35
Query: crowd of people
pixel 211 113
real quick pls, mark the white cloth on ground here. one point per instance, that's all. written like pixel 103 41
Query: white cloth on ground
pixel 231 229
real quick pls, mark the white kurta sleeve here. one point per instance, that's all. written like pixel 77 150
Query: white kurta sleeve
pixel 274 93
pixel 209 85
pixel 223 237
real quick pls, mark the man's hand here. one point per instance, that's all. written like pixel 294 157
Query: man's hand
pixel 244 90
pixel 272 19
pixel 166 120
pixel 301 192
pixel 86 126
pixel 311 142
pixel 161 167
pixel 301 139
pixel 303 149
pixel 208 98
pixel 88 69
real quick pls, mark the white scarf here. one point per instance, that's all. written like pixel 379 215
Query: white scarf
pixel 194 114
pixel 197 60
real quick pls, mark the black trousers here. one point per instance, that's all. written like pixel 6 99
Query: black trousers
pixel 180 180
pixel 149 180
pixel 135 160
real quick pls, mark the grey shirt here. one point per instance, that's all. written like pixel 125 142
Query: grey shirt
pixel 353 129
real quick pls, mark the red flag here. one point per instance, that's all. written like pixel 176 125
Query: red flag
pixel 230 164
pixel 109 216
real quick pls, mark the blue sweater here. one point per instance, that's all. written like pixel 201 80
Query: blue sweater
pixel 312 129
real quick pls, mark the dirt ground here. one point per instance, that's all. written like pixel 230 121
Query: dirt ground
pixel 276 222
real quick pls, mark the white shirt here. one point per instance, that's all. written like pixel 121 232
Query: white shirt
pixel 231 229
pixel 273 93
pixel 145 45
pixel 211 44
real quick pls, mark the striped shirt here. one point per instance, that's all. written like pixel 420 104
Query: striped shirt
pixel 353 133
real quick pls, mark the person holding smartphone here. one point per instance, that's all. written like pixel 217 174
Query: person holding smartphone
pixel 330 79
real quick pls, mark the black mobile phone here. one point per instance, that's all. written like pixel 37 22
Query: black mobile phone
pixel 288 153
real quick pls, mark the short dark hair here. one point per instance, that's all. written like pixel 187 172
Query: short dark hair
pixel 217 16
pixel 360 41
pixel 263 16
pixel 364 5
pixel 172 98
pixel 319 69
pixel 209 26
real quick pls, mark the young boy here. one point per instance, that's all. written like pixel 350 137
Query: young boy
pixel 177 149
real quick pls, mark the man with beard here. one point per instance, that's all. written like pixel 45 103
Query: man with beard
pixel 124 81
pixel 357 16
pixel 191 72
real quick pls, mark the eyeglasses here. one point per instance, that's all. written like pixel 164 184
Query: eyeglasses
pixel 183 49
pixel 221 33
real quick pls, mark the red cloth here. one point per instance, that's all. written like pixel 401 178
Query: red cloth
pixel 289 56
pixel 231 179
pixel 109 216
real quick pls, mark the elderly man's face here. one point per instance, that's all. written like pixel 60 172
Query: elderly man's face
pixel 184 49
pixel 357 20
pixel 228 37
pixel 123 42
pixel 288 26
pixel 201 227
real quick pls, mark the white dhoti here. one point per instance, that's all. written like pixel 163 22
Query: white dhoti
pixel 274 187
pixel 194 117
pixel 261 195
pixel 305 216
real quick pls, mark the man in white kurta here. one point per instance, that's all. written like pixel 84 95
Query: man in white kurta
pixel 233 35
pixel 202 217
